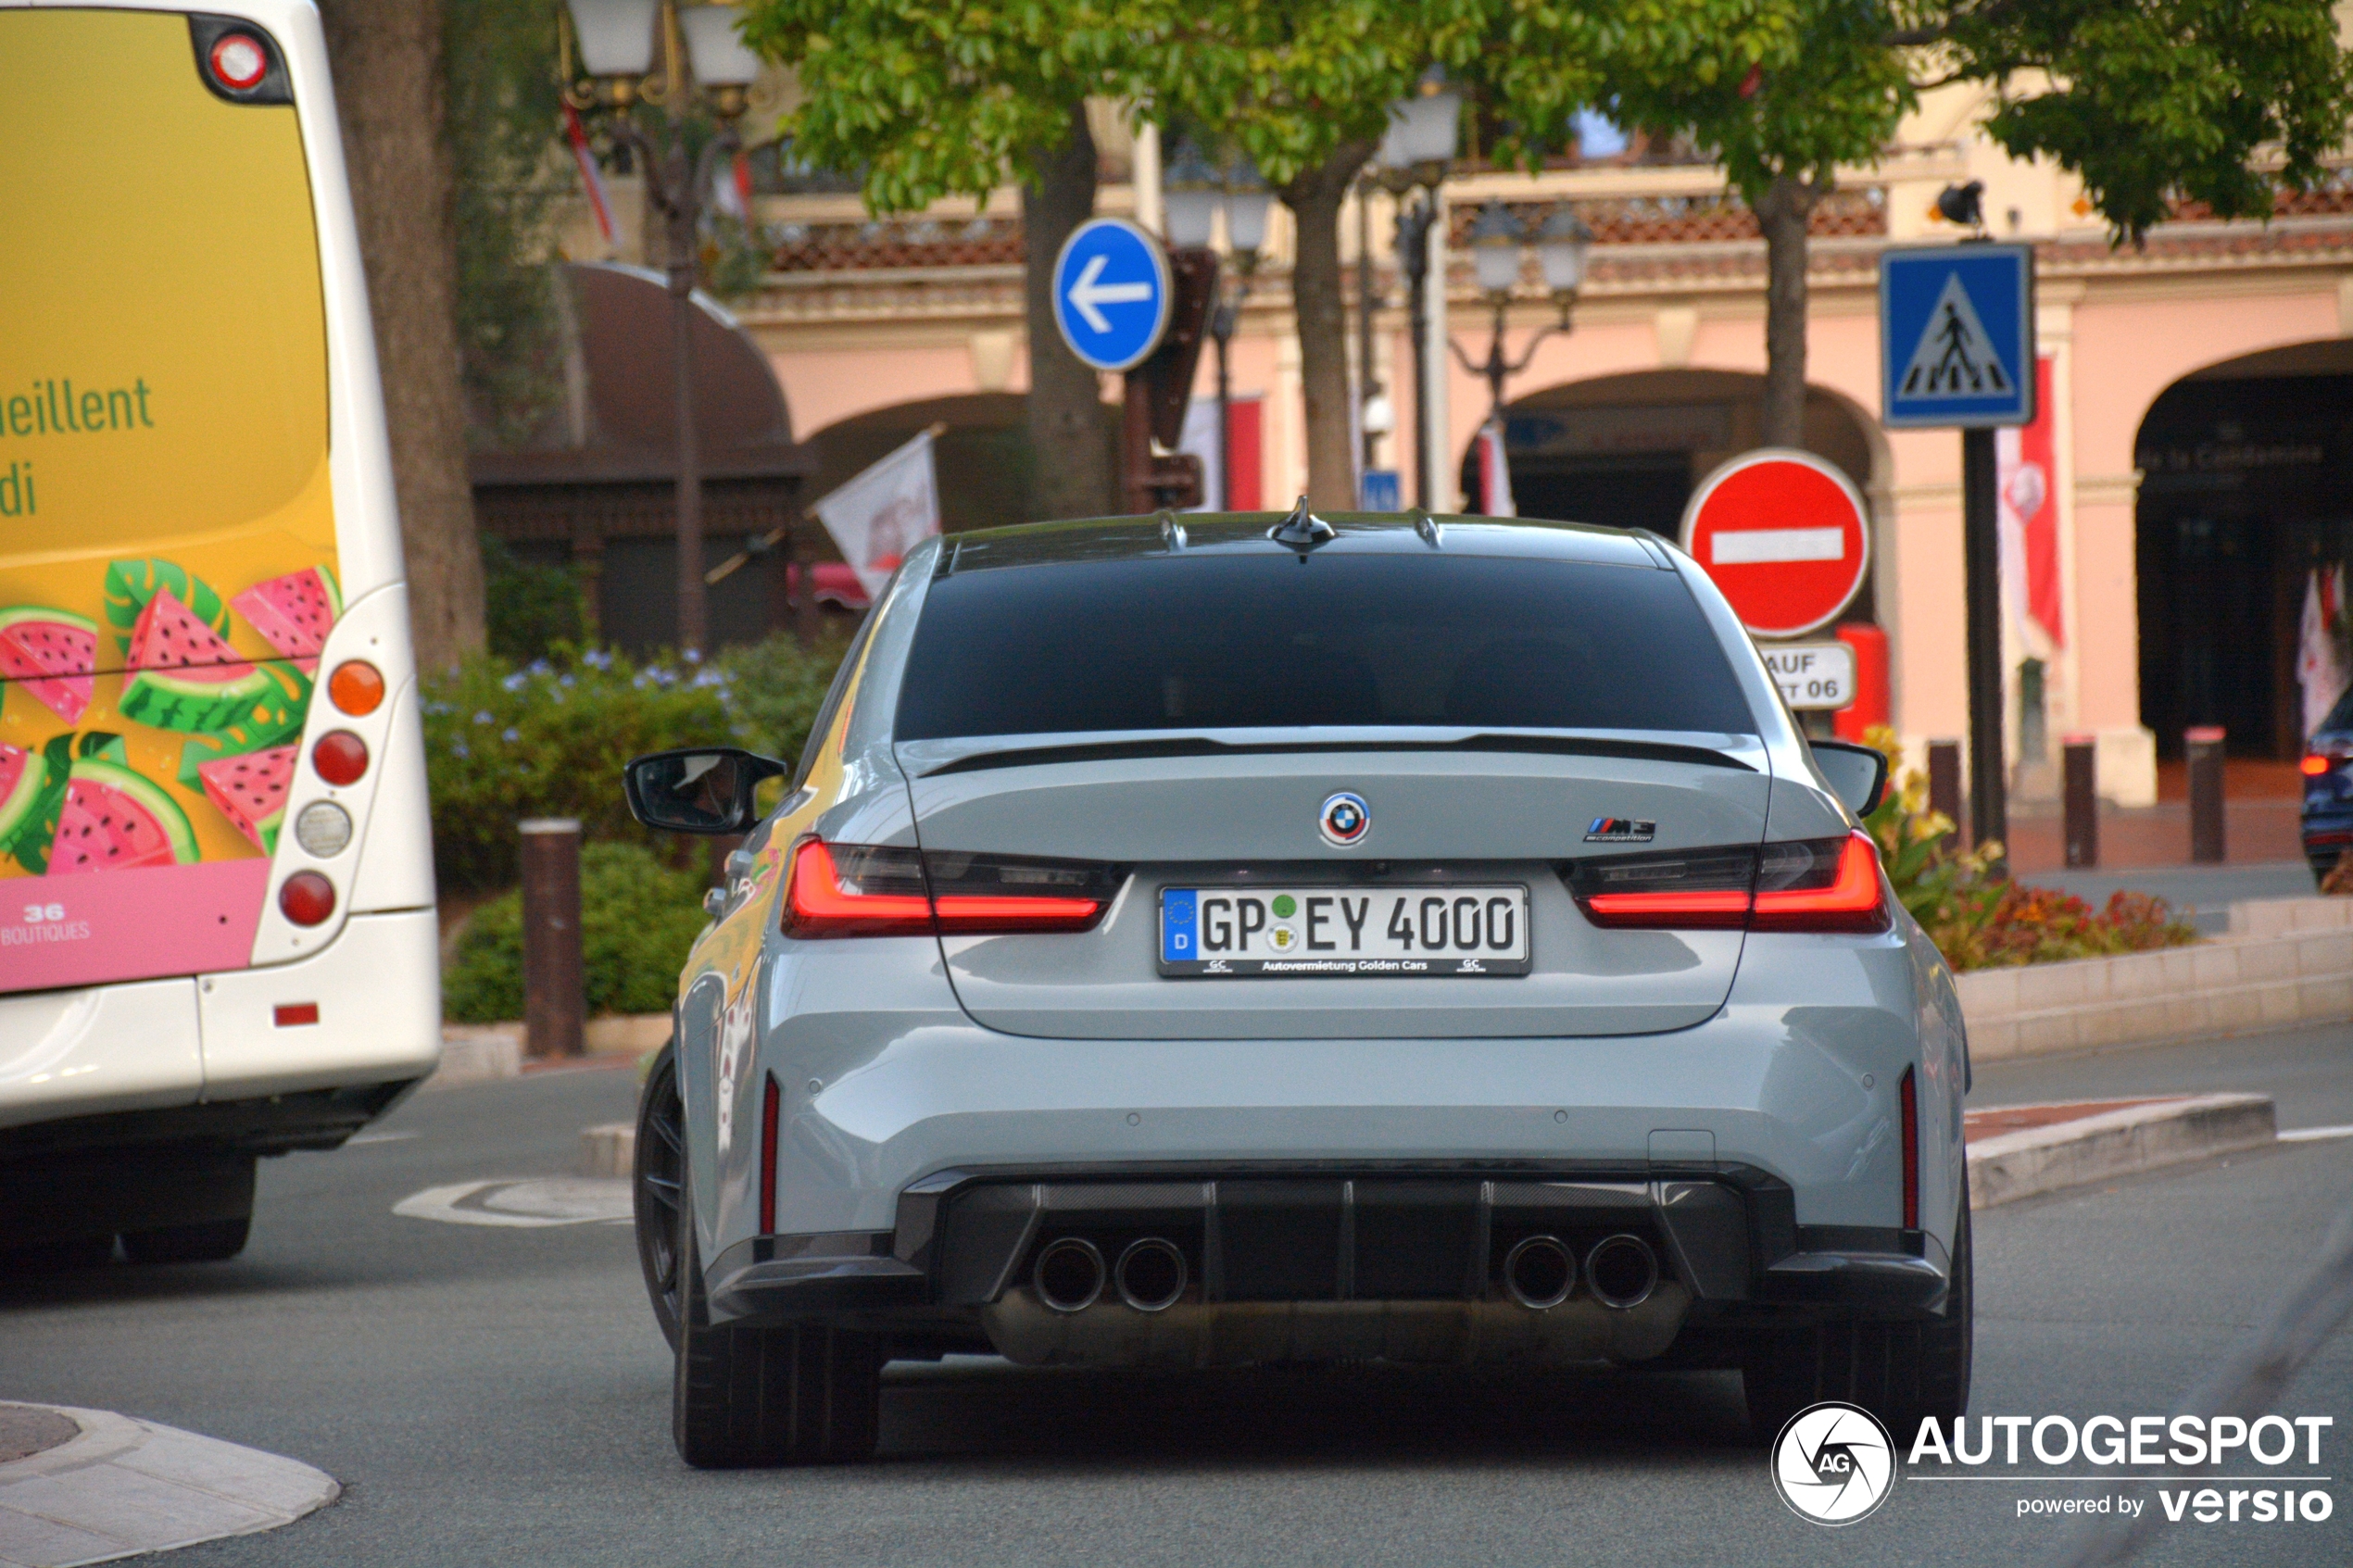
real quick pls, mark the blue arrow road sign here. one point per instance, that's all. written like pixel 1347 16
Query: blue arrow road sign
pixel 1111 294
pixel 1957 335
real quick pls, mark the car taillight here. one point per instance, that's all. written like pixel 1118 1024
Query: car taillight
pixel 875 890
pixel 2315 765
pixel 1707 889
pixel 1819 884
pixel 978 894
pixel 856 890
pixel 1806 885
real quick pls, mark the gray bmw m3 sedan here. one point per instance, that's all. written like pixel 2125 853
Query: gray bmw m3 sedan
pixel 1236 938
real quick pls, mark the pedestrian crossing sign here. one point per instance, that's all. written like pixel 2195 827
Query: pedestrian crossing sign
pixel 1957 335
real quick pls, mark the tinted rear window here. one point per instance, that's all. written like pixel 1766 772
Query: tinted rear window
pixel 1259 641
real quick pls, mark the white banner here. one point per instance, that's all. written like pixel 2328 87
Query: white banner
pixel 884 512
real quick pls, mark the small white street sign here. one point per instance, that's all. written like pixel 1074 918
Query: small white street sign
pixel 1812 674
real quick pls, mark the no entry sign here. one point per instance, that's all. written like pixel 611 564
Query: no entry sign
pixel 1782 533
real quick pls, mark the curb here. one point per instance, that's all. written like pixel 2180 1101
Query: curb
pixel 122 1487
pixel 2010 1166
pixel 2284 964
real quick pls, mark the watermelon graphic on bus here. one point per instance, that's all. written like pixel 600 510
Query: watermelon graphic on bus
pixel 185 676
pixel 251 792
pixel 51 653
pixel 294 612
pixel 114 820
pixel 24 776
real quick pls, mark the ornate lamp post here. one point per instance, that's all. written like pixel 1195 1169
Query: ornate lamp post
pixel 1414 159
pixel 616 41
pixel 1194 194
pixel 1497 245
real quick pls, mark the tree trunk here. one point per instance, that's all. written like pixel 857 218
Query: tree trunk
pixel 1320 305
pixel 1068 443
pixel 1785 212
pixel 389 94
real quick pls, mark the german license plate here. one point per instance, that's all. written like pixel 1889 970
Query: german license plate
pixel 1244 933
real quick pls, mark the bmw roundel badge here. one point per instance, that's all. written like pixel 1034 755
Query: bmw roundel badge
pixel 1346 820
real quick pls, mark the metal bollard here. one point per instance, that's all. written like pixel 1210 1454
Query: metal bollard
pixel 555 988
pixel 1944 785
pixel 2203 747
pixel 2081 792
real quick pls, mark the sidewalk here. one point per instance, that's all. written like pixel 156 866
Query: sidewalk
pixel 80 1486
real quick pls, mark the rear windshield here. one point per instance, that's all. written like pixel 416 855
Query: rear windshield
pixel 1260 641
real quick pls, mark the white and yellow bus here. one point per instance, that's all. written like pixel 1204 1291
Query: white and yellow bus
pixel 217 931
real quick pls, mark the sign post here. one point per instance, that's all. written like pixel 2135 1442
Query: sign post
pixel 1124 303
pixel 1956 347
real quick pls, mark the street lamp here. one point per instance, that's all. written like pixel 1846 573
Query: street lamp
pixel 1499 245
pixel 617 41
pixel 1193 193
pixel 1413 157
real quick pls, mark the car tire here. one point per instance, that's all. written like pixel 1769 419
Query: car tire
pixel 745 1397
pixel 214 1241
pixel 1902 1373
pixel 655 1174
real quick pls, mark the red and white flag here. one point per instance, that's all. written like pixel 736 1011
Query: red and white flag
pixel 592 178
pixel 2026 475
pixel 1494 472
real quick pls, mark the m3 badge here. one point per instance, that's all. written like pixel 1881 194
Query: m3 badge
pixel 1621 830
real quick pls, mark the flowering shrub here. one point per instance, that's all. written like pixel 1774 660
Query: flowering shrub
pixel 1978 920
pixel 548 739
pixel 638 918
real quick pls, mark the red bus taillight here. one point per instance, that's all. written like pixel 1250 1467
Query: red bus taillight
pixel 238 61
pixel 340 757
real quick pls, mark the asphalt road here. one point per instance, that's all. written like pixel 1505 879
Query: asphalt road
pixel 496 1396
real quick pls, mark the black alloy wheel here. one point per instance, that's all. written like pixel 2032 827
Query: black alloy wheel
pixel 656 1182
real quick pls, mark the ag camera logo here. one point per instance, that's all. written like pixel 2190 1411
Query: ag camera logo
pixel 1833 1464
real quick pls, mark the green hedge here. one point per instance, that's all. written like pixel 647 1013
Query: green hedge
pixel 638 918
pixel 505 741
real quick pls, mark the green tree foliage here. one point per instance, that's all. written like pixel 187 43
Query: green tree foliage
pixel 498 60
pixel 2146 100
pixel 938 97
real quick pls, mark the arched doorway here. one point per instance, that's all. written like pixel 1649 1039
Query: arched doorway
pixel 1626 450
pixel 2246 490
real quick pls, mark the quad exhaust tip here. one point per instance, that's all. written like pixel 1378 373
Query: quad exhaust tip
pixel 1540 1273
pixel 1150 1276
pixel 1069 1274
pixel 1622 1269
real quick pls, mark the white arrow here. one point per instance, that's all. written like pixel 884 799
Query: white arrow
pixel 1087 293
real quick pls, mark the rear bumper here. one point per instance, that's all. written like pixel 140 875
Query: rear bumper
pixel 165 1045
pixel 1351 1263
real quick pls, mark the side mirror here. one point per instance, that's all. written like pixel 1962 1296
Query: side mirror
pixel 1857 774
pixel 706 790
